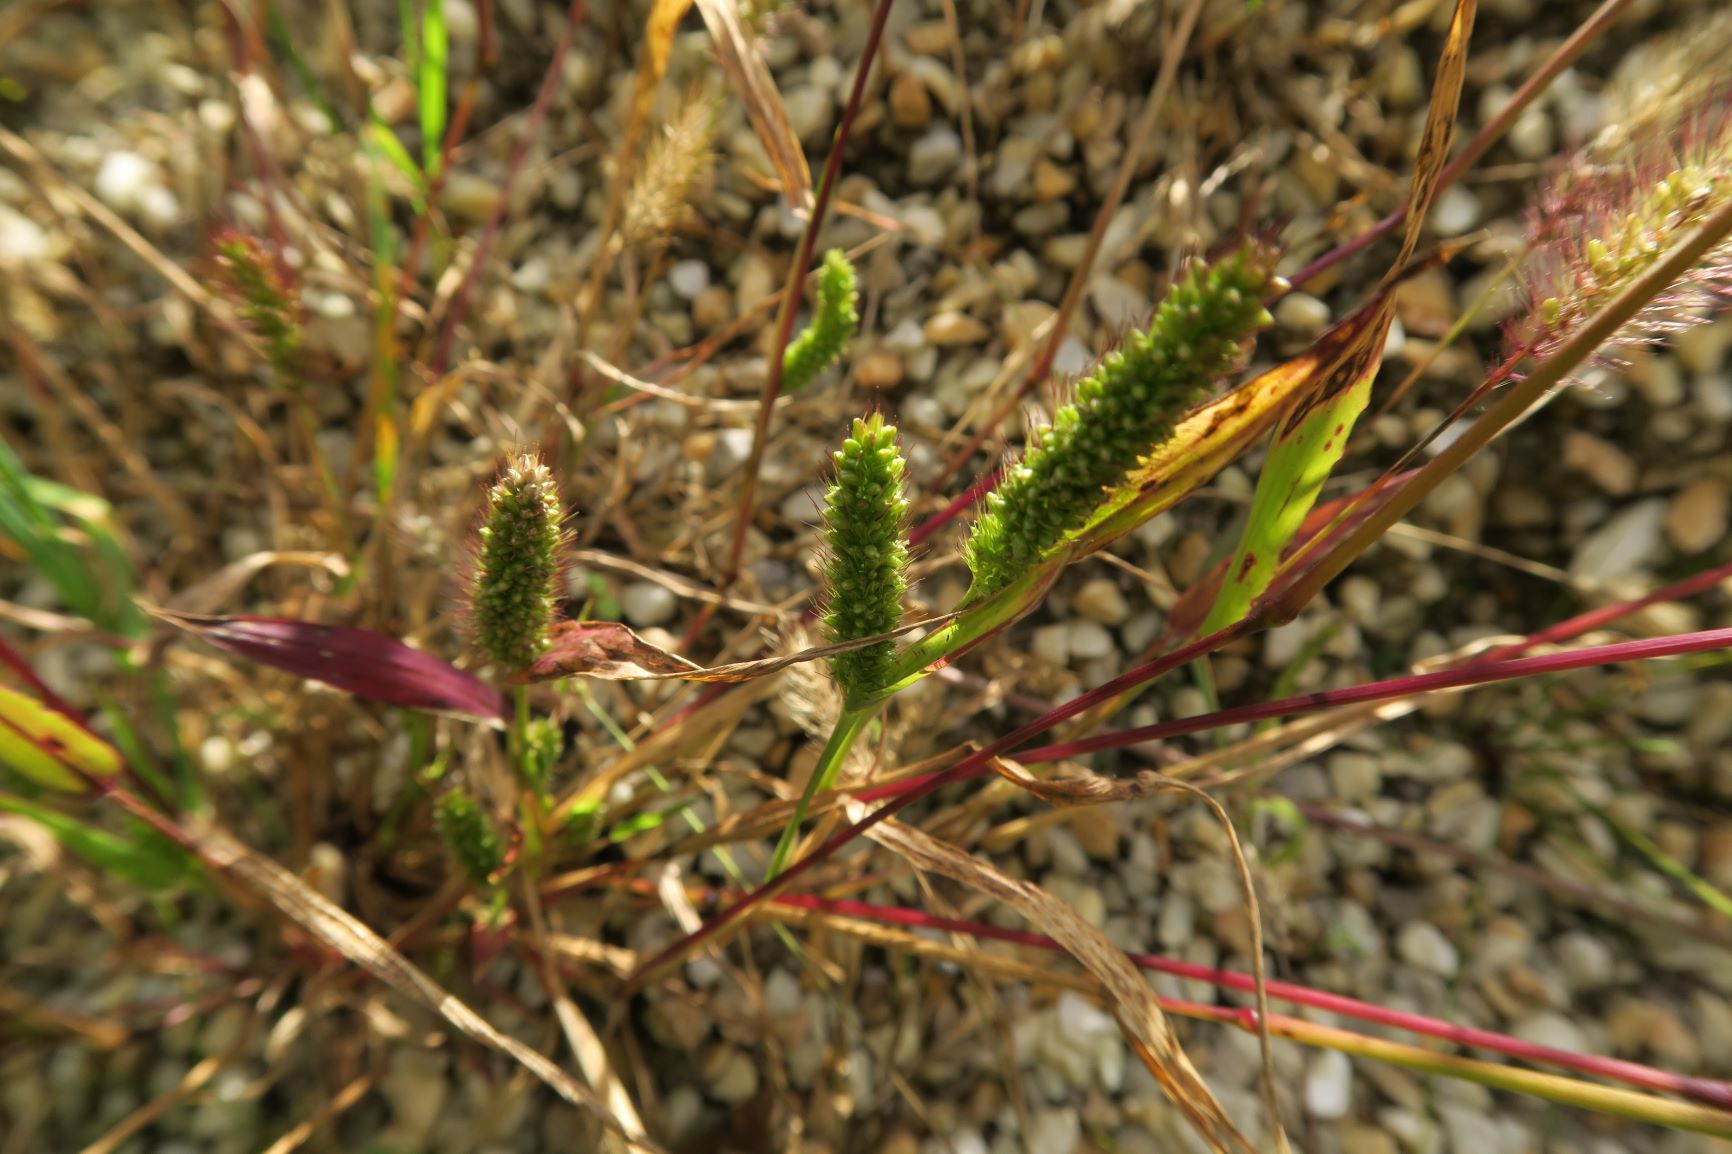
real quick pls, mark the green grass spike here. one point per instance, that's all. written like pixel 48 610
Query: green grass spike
pixel 516 582
pixel 469 834
pixel 1128 403
pixel 833 324
pixel 865 518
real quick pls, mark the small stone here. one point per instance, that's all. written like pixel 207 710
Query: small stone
pixel 756 281
pixel 1100 600
pixel 934 156
pixel 1366 1140
pixel 1530 137
pixel 910 103
pixel 469 195
pixel 1054 1132
pixel 1604 463
pixel 1715 857
pixel 1329 1085
pixel 713 308
pixel 1302 313
pixel 1116 303
pixel 811 112
pixel 1356 776
pixel 415 1087
pixel 730 1075
pixel 1423 945
pixel 1626 545
pixel 1696 518
pixel 1456 211
pixel 22 240
pixel 953 328
pixel 646 603
pixel 1051 643
pixel 1097 831
pixel 689 279
pixel 1052 182
pixel 1088 641
pixel 879 369
pixel 1549 1028
pixel 123 177
pixel 1588 963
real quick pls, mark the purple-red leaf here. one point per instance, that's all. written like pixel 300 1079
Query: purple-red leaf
pixel 368 664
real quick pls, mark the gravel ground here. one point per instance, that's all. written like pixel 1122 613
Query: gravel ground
pixel 989 156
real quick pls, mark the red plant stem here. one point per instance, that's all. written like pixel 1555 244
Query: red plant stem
pixel 1573 627
pixel 1705 1090
pixel 1478 673
pixel 921 787
pixel 949 513
pixel 550 82
pixel 791 294
pixel 1567 53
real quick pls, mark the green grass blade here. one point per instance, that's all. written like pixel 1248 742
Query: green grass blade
pixel 1306 447
pixel 149 862
pixel 431 84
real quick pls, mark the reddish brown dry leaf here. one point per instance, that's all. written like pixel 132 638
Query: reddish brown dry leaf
pixel 745 69
pixel 1439 131
pixel 368 664
pixel 612 652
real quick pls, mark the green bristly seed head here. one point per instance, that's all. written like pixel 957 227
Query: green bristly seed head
pixel 516 580
pixel 264 295
pixel 864 517
pixel 834 323
pixel 1127 404
pixel 469 835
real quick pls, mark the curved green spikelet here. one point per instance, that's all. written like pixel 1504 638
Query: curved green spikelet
pixel 469 834
pixel 515 586
pixel 865 515
pixel 834 323
pixel 1127 404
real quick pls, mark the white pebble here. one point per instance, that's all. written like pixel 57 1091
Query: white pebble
pixel 1089 640
pixel 1051 643
pixel 1423 945
pixel 1054 1132
pixel 1627 544
pixel 1302 313
pixel 1329 1085
pixel 123 177
pixel 646 603
pixel 689 279
pixel 1100 600
pixel 1455 212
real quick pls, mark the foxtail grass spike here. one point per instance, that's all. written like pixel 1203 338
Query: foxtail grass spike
pixel 1126 405
pixel 834 323
pixel 469 835
pixel 515 585
pixel 1612 213
pixel 865 529
pixel 266 300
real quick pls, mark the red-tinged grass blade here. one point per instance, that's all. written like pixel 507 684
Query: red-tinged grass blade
pixel 1218 433
pixel 1313 436
pixel 1705 1090
pixel 1186 616
pixel 1306 449
pixel 367 664
pixel 47 747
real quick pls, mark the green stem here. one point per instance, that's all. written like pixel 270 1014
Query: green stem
pixel 971 625
pixel 848 727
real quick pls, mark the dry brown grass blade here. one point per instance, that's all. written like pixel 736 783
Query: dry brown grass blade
pixel 190 1084
pixel 1134 1004
pixel 215 591
pixel 1433 154
pixel 345 1100
pixel 340 931
pixel 1081 787
pixel 579 1034
pixel 745 70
